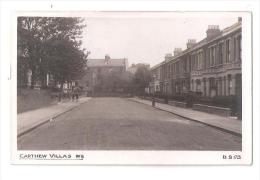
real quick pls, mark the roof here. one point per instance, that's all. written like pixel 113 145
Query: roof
pixel 110 62
pixel 156 66
pixel 203 42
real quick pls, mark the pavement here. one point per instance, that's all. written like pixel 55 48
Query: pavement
pixel 30 120
pixel 110 123
pixel 227 124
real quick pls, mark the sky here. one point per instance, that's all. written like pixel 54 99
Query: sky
pixel 146 37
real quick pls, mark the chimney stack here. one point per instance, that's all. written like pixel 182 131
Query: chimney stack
pixel 177 51
pixel 168 57
pixel 240 19
pixel 191 43
pixel 213 31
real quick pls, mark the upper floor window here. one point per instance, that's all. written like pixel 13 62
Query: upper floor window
pixel 177 67
pixel 193 63
pixel 212 56
pixel 228 50
pixel 239 48
pixel 196 61
pixel 169 71
pixel 220 53
pixel 205 55
pixel 160 73
pixel 172 66
pixel 185 65
pixel 235 48
pixel 200 60
pixel 189 63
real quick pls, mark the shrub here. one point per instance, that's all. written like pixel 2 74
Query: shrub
pixel 231 102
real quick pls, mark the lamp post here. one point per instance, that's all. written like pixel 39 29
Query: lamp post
pixel 154 88
pixel 166 93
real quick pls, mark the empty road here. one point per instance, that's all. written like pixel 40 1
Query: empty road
pixel 121 124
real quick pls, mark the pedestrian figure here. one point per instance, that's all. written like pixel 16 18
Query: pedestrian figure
pixel 75 93
pixel 153 102
pixel 59 97
pixel 72 93
pixel 189 99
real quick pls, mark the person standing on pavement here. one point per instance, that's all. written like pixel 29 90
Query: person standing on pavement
pixel 72 93
pixel 75 92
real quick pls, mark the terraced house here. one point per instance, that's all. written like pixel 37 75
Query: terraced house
pixel 210 67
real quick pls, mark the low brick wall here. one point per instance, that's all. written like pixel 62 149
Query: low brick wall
pixel 147 98
pixel 160 100
pixel 212 109
pixel 177 103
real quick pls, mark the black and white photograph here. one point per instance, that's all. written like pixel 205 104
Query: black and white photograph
pixel 129 89
pixel 130 81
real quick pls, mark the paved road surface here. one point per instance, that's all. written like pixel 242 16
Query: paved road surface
pixel 121 124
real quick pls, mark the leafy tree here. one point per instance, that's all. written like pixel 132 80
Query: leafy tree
pixel 142 78
pixel 38 41
pixel 64 61
pixel 113 81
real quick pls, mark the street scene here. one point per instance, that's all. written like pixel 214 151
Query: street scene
pixel 91 83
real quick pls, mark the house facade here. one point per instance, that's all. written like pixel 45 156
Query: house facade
pixel 100 72
pixel 210 67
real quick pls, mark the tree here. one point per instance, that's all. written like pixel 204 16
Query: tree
pixel 114 81
pixel 142 78
pixel 36 35
pixel 65 61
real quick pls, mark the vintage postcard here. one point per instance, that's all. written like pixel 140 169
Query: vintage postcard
pixel 144 88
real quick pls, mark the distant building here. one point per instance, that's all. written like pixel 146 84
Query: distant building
pixel 98 69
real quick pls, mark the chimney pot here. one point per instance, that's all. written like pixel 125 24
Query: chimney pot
pixel 191 43
pixel 168 56
pixel 213 31
pixel 177 51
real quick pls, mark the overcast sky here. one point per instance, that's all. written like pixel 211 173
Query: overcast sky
pixel 146 39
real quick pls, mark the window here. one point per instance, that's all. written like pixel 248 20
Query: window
pixel 177 67
pixel 200 60
pixel 235 49
pixel 185 65
pixel 169 70
pixel 229 84
pixel 197 61
pixel 212 83
pixel 189 63
pixel 220 53
pixel 228 50
pixel 212 56
pixel 193 62
pixel 239 48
